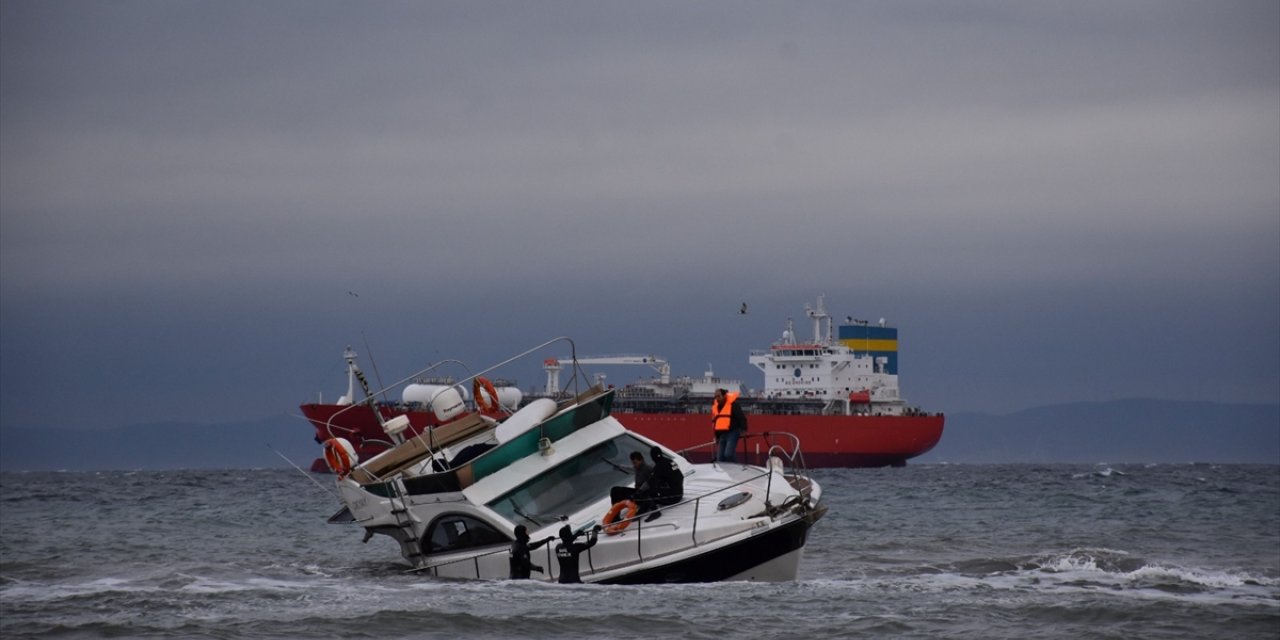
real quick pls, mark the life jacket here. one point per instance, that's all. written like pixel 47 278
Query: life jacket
pixel 720 418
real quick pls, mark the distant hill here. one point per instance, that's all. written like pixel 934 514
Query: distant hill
pixel 1119 431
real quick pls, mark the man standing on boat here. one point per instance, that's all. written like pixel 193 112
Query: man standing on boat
pixel 728 423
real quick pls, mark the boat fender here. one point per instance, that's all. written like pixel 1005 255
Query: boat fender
pixel 340 456
pixel 488 400
pixel 532 415
pixel 619 517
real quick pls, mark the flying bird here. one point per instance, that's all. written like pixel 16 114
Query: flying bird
pixel 743 309
pixel 353 294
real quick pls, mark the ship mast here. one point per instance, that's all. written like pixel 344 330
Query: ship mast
pixel 818 315
pixel 353 370
pixel 350 356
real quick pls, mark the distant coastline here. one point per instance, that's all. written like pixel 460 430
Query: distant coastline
pixel 1120 431
pixel 1130 430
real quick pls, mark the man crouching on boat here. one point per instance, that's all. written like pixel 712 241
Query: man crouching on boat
pixel 665 485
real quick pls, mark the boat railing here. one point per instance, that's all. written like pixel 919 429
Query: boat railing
pixel 771 511
pixel 371 399
pixel 782 444
pixel 576 381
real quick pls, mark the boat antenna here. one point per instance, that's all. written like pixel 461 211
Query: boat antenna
pixel 373 363
pixel 304 473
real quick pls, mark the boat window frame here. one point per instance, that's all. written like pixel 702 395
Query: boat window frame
pixel 490 534
pixel 582 485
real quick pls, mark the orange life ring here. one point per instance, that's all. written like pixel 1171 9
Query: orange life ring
pixel 619 516
pixel 339 455
pixel 482 402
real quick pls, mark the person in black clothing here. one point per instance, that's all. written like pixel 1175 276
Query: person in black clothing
pixel 642 470
pixel 521 564
pixel 567 553
pixel 665 486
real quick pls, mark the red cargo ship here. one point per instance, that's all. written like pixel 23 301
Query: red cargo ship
pixel 839 395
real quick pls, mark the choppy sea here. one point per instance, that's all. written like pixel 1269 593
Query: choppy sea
pixel 929 551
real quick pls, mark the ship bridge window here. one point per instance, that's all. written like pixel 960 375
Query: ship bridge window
pixel 455 532
pixel 574 484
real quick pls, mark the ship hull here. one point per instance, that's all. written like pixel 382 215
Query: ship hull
pixel 827 441
pixel 359 426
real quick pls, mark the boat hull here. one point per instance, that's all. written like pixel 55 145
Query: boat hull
pixel 772 556
pixel 829 441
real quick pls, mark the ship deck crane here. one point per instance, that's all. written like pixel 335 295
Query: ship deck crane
pixel 553 365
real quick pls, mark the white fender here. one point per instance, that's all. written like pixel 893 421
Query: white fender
pixel 525 419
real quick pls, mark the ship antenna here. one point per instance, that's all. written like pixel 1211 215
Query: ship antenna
pixel 373 363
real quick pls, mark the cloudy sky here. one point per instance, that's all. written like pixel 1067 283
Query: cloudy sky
pixel 1053 201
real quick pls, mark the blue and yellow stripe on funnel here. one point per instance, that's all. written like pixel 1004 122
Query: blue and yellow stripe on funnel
pixel 875 341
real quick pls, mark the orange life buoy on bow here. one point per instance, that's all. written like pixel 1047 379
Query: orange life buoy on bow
pixel 619 516
pixel 482 401
pixel 340 456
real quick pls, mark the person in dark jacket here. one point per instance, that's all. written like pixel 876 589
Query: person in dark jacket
pixel 642 471
pixel 567 552
pixel 521 564
pixel 665 486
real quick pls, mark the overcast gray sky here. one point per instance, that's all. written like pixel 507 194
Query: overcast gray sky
pixel 1052 201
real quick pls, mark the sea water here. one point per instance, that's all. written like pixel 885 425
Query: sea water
pixel 954 551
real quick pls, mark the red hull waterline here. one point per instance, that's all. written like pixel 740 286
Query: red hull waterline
pixel 827 441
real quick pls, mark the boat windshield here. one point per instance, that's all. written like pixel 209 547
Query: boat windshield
pixel 572 485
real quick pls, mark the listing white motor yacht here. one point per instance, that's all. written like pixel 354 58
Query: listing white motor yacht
pixel 453 496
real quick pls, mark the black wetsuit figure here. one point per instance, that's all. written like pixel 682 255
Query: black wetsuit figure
pixel 521 564
pixel 666 481
pixel 567 553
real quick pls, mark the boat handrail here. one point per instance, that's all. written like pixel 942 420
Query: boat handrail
pixel 770 512
pixel 573 352
pixel 793 457
pixel 370 400
pixel 405 457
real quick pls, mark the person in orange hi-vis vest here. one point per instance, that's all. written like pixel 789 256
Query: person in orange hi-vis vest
pixel 728 422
